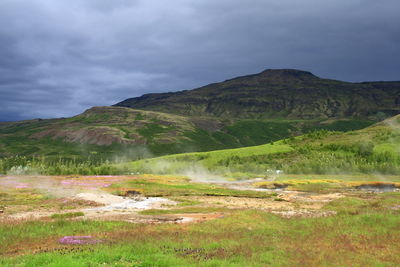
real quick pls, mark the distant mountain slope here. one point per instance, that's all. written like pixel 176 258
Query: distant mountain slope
pixel 285 93
pixel 124 132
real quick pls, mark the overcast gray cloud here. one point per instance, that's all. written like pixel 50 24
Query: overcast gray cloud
pixel 58 58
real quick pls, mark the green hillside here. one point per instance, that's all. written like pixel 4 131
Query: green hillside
pixel 109 132
pixel 375 149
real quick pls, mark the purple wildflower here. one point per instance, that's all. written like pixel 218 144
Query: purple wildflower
pixel 78 240
pixel 21 185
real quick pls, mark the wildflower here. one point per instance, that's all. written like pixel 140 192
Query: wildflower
pixel 78 240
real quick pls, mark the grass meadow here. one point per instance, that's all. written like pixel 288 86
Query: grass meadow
pixel 365 232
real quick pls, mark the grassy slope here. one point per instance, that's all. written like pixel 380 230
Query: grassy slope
pixel 103 131
pixel 373 149
pixel 109 132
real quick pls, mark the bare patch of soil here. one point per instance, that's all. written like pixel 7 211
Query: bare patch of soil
pixel 169 218
pixel 287 205
pixel 304 213
pixel 241 202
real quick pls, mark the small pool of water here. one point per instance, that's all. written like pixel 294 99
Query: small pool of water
pixel 378 187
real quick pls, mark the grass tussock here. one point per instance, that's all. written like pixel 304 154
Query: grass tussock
pixel 67 215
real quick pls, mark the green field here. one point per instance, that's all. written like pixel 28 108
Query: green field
pixel 349 228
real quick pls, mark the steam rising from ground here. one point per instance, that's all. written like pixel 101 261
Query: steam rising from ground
pixel 132 153
pixel 193 170
pixel 41 166
pixel 394 124
pixel 198 173
pixel 44 184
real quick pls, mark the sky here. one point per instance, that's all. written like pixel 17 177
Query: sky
pixel 59 57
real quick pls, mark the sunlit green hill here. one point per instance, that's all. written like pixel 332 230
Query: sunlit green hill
pixel 375 149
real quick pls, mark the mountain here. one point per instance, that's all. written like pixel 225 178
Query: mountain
pixel 282 93
pixel 245 111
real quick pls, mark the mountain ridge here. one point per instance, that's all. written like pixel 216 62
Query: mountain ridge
pixel 283 93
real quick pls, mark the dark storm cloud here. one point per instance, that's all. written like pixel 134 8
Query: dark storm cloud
pixel 58 58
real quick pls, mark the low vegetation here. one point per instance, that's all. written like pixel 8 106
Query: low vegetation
pixel 360 228
pixel 20 165
pixel 172 186
pixel 67 215
pixel 363 233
